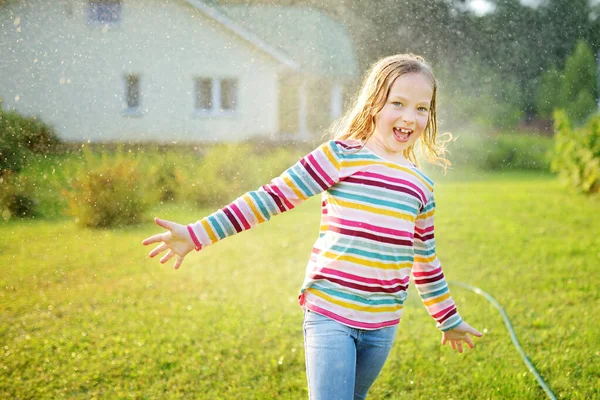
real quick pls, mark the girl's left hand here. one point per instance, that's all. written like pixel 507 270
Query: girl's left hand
pixel 459 334
pixel 176 239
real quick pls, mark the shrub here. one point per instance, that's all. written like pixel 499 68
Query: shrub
pixel 20 137
pixel 228 170
pixel 107 192
pixel 508 151
pixel 576 156
pixel 16 199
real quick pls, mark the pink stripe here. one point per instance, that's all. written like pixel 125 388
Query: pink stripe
pixel 441 313
pixel 194 238
pixel 349 322
pixel 373 228
pixel 363 279
pixel 282 197
pixel 390 179
pixel 427 273
pixel 422 231
pixel 316 165
pixel 240 216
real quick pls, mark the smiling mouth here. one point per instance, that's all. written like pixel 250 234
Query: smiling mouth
pixel 402 134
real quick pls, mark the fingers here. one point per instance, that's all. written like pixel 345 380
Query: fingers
pixel 475 332
pixel 459 346
pixel 178 262
pixel 444 340
pixel 453 344
pixel 158 249
pixel 153 239
pixel 164 223
pixel 167 257
pixel 469 342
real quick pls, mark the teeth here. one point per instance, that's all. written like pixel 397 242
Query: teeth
pixel 404 130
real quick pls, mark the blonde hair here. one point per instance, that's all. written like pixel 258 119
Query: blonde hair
pixel 359 122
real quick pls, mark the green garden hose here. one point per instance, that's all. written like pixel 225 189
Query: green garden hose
pixel 512 335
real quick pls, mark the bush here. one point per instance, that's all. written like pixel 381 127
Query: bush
pixel 576 155
pixel 20 137
pixel 229 170
pixel 507 151
pixel 16 199
pixel 107 192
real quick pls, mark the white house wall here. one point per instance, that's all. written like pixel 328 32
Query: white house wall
pixel 55 65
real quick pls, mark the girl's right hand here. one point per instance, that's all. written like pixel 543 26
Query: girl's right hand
pixel 177 240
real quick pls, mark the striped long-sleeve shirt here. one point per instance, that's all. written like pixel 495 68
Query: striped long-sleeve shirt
pixel 376 228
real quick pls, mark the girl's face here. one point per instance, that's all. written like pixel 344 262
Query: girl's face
pixel 404 116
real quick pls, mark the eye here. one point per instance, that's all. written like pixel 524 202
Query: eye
pixel 424 109
pixel 396 103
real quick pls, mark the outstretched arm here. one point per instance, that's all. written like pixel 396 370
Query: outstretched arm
pixel 313 174
pixel 432 286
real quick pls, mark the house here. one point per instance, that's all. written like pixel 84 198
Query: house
pixel 173 70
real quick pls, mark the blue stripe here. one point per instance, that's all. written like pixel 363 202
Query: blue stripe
pixel 268 201
pixel 225 223
pixel 300 171
pixel 299 183
pixel 390 194
pixel 425 253
pixel 370 254
pixel 370 200
pixel 434 294
pixel 260 205
pixel 357 299
pixel 215 225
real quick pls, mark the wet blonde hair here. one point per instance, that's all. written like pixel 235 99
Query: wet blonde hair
pixel 359 122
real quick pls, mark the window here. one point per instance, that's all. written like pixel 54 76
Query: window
pixel 204 94
pixel 228 94
pixel 104 11
pixel 132 92
pixel 215 95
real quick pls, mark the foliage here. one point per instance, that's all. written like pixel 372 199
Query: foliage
pixel 21 137
pixel 478 95
pixel 228 170
pixel 506 151
pixel 548 95
pixel 16 197
pixel 577 153
pixel 107 192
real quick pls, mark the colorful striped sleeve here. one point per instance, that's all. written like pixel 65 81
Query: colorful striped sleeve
pixel 313 174
pixel 427 272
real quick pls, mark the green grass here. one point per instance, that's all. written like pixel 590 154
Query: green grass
pixel 85 313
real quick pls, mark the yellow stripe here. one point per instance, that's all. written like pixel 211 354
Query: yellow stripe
pixel 331 157
pixel 424 260
pixel 323 228
pixel 366 263
pixel 436 300
pixel 375 210
pixel 353 306
pixel 257 214
pixel 292 186
pixel 359 163
pixel 209 231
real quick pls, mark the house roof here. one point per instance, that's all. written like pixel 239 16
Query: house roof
pixel 302 38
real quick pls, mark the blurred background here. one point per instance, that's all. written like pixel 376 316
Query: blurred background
pixel 116 111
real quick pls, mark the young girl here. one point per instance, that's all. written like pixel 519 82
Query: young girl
pixel 376 228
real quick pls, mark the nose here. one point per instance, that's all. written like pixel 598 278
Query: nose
pixel 408 117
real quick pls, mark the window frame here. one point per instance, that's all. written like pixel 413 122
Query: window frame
pixel 217 98
pixel 137 110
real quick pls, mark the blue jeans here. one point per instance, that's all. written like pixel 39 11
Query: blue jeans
pixel 342 362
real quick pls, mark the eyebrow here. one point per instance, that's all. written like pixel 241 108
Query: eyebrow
pixel 400 97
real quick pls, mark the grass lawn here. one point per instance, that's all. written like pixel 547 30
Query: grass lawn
pixel 85 313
